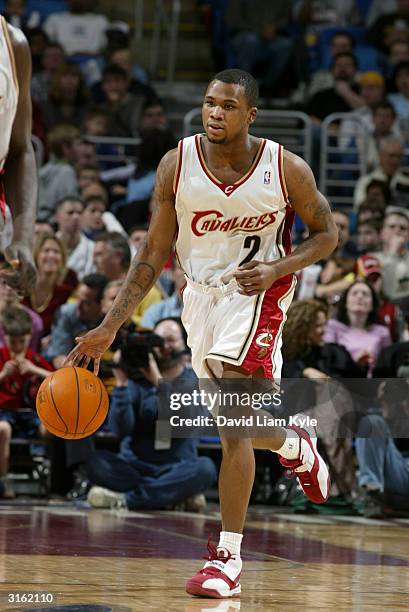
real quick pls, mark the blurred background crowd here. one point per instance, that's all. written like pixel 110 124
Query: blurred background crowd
pixel 101 123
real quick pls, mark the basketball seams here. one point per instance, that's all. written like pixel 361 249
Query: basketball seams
pixel 54 404
pixel 78 399
pixel 97 410
pixel 51 427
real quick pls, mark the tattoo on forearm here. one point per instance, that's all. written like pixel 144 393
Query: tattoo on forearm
pixel 307 250
pixel 137 284
pixel 320 210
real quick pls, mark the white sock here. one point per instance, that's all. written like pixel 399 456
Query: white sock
pixel 231 542
pixel 291 447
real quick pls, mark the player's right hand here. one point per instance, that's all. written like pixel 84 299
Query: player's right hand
pixel 91 346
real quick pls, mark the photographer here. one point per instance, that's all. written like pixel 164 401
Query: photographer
pixel 142 475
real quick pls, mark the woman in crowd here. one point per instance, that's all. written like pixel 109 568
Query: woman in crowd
pixel 356 325
pixel 304 352
pixel 55 282
pixel 305 355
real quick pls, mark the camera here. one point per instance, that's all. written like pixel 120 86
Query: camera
pixel 135 349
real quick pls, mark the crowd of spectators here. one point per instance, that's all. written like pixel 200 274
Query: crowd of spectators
pixel 350 317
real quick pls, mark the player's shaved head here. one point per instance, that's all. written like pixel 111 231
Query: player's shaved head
pixel 234 76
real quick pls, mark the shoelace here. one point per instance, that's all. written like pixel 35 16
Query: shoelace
pixel 213 554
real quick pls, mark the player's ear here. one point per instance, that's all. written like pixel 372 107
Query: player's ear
pixel 252 114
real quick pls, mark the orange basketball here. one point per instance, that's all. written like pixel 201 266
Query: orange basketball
pixel 72 403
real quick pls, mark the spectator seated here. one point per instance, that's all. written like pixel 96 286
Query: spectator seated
pixel 74 319
pixel 306 355
pixel 78 30
pixel 21 372
pixel 368 57
pixel 79 248
pixel 55 282
pixel 356 327
pixel 10 297
pixel 57 177
pixel 383 469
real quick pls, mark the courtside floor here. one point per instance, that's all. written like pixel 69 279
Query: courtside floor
pixel 104 560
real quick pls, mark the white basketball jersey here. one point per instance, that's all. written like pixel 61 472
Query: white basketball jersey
pixel 222 226
pixel 8 90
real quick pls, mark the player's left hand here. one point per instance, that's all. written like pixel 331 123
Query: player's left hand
pixel 255 277
pixel 24 275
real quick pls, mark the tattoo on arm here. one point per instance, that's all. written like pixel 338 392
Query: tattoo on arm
pixel 140 279
pixel 310 249
pixel 146 267
pixel 320 210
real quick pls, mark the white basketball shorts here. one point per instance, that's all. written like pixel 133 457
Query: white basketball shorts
pixel 224 326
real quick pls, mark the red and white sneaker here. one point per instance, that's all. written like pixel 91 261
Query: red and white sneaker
pixel 309 468
pixel 219 578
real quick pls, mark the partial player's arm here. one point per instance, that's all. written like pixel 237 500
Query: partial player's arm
pixel 313 209
pixel 145 268
pixel 20 179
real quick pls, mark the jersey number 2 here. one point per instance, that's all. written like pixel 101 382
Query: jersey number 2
pixel 252 243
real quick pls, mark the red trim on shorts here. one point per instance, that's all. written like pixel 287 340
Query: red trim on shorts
pixel 227 188
pixel 260 352
pixel 2 196
pixel 178 166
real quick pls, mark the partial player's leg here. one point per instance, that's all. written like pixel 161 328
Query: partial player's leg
pixel 297 449
pixel 299 455
pixel 220 576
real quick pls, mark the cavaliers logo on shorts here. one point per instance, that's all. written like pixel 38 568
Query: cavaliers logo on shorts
pixel 264 340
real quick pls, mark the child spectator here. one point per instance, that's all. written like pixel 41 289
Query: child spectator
pixel 369 236
pixel 86 176
pixel 92 222
pixel 96 219
pixel 8 298
pixel 96 123
pixel 21 369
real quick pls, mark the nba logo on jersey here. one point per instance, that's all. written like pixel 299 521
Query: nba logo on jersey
pixel 267 177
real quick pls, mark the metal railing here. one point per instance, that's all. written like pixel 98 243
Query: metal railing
pixel 167 21
pixel 343 157
pixel 139 13
pixel 292 129
pixel 123 149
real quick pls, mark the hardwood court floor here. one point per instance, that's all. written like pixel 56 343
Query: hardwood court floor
pixel 122 561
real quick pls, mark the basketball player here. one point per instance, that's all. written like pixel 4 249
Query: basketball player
pixel 18 173
pixel 229 198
